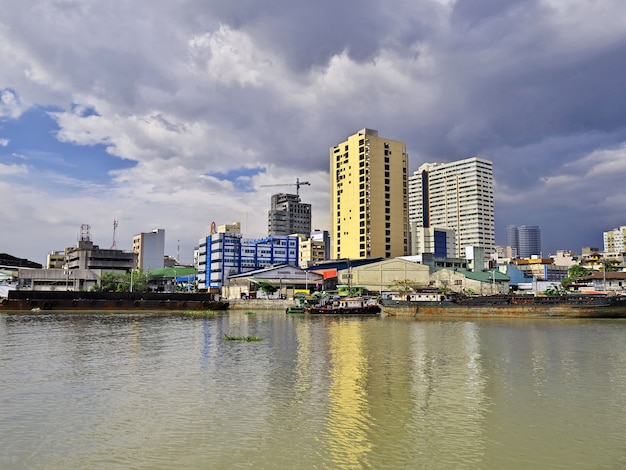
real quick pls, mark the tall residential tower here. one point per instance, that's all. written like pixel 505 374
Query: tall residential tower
pixel 456 195
pixel 369 197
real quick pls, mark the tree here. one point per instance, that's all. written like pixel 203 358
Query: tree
pixel 403 285
pixel 108 282
pixel 267 288
pixel 576 272
pixel 121 282
pixel 139 280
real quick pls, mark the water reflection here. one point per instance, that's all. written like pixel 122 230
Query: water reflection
pixel 154 391
pixel 348 415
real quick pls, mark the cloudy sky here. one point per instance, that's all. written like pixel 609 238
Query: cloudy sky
pixel 173 114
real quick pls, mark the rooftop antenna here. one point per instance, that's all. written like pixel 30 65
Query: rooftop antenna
pixel 85 233
pixel 115 223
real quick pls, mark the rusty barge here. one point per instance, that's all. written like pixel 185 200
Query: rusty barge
pixel 521 306
pixel 19 301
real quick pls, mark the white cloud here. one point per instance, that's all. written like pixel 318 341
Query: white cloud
pixel 6 170
pixel 191 89
pixel 9 105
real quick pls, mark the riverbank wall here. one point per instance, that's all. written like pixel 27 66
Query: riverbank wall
pixel 260 304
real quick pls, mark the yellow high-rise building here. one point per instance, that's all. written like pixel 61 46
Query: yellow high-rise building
pixel 369 197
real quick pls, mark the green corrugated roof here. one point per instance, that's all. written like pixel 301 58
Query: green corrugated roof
pixel 484 276
pixel 173 272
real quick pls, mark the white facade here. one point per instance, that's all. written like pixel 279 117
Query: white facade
pixel 438 241
pixel 458 196
pixel 614 240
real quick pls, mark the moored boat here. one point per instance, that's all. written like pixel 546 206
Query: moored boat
pixel 346 306
pixel 84 301
pixel 456 305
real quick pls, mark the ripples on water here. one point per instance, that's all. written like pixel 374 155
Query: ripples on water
pixel 166 391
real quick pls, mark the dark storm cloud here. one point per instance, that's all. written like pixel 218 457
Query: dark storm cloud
pixel 201 87
pixel 309 34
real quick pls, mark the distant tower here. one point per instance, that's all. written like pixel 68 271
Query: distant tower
pixel 114 245
pixel 85 233
pixel 526 239
pixel 84 238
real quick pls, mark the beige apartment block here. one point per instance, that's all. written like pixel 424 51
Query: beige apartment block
pixel 369 197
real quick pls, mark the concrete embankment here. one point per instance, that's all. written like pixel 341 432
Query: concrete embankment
pixel 259 304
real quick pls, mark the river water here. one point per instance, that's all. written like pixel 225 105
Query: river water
pixel 154 391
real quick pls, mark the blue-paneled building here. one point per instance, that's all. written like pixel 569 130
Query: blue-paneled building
pixel 225 254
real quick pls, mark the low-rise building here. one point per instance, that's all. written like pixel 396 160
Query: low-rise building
pixel 385 275
pixel 608 281
pixel 470 282
pixel 541 269
pixel 287 280
pixel 54 279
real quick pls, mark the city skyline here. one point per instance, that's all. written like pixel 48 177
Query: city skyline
pixel 177 115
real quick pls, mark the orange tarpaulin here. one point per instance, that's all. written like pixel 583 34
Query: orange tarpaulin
pixel 327 273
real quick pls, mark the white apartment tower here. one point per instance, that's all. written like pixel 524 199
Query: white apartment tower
pixel 456 195
pixel 615 240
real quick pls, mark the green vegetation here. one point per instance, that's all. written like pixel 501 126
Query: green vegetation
pixel 249 312
pixel 403 285
pixel 266 287
pixel 114 282
pixel 556 290
pixel 248 339
pixel 574 273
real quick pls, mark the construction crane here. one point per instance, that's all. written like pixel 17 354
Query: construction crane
pixel 297 185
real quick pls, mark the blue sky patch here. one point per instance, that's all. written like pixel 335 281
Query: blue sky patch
pixel 32 141
pixel 239 177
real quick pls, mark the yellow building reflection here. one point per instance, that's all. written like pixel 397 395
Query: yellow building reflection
pixel 348 414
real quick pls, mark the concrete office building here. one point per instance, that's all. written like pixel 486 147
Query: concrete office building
pixel 87 256
pixel 456 196
pixel 225 254
pixel 369 197
pixel 440 242
pixel 150 249
pixel 525 239
pixel 324 237
pixel 288 215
